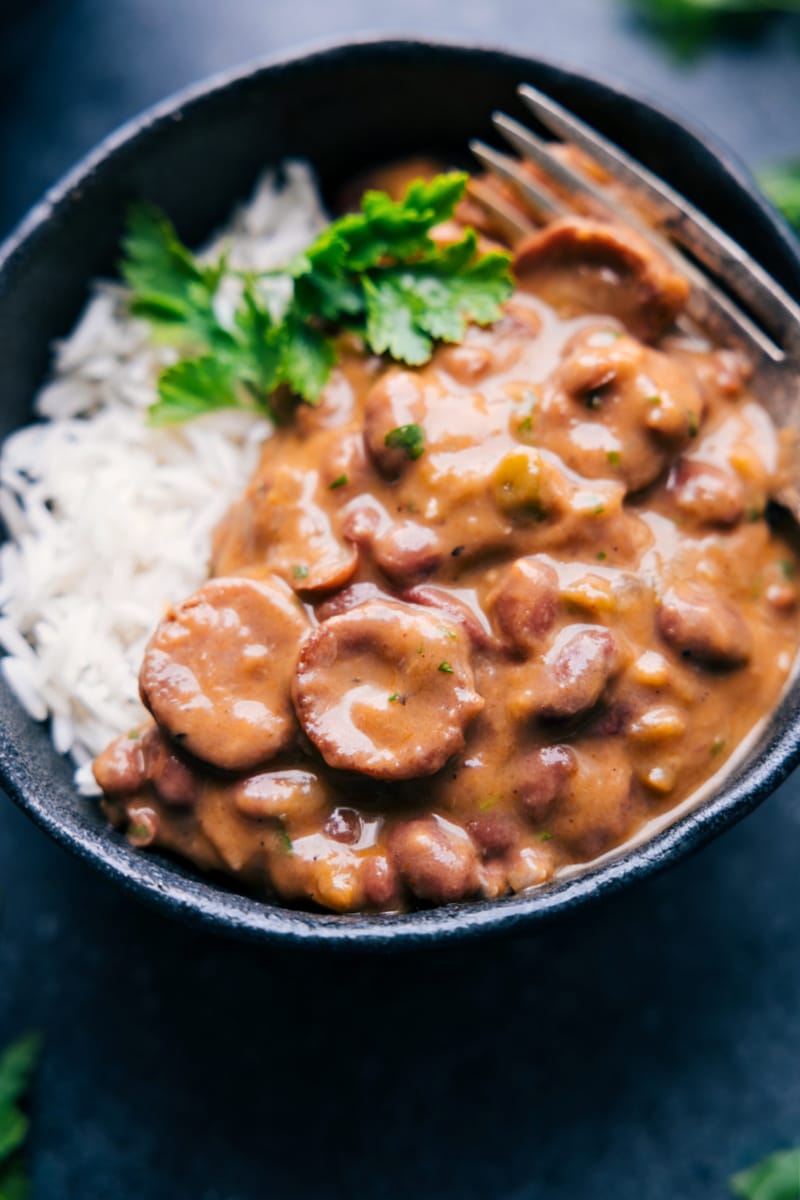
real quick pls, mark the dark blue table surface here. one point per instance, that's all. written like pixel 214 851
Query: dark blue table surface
pixel 647 1049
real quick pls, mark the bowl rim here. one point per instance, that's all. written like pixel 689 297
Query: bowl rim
pixel 196 899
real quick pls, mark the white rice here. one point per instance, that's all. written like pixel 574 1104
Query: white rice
pixel 110 519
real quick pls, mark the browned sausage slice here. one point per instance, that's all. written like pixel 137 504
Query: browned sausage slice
pixel 704 627
pixel 455 610
pixel 601 267
pixel 217 672
pixel 386 690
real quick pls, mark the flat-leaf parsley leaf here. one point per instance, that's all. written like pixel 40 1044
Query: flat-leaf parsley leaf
pixel 377 273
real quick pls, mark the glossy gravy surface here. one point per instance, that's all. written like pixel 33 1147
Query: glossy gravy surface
pixel 450 662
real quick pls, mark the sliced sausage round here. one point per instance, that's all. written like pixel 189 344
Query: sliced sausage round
pixel 217 672
pixel 606 268
pixel 454 609
pixel 386 690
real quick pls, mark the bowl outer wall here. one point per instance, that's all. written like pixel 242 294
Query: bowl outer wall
pixel 197 154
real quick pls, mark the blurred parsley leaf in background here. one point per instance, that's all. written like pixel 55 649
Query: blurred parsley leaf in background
pixel 781 183
pixel 17 1065
pixel 687 25
pixel 774 1178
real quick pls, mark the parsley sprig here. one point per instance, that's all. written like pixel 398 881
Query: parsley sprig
pixel 377 272
pixel 17 1065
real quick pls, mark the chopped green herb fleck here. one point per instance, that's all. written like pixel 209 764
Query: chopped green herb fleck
pixel 395 696
pixel 410 438
pixel 599 509
pixel 488 803
pixel 445 667
pixel 601 555
pixel 284 841
pixel 133 734
pixel 448 633
pixel 340 481
pixel 594 399
pixel 694 424
pixel 545 837
pixel 299 571
pixel 717 745
pixel 754 514
pixel 654 401
pixel 525 425
pixel 138 831
pixel 787 568
pixel 613 457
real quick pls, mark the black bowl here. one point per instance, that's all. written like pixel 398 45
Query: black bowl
pixel 197 154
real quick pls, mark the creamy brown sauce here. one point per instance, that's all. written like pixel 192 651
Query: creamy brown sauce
pixel 421 679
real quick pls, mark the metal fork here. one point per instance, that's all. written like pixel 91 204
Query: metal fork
pixel 769 331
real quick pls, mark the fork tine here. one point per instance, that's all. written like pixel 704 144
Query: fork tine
pixel 705 300
pixel 545 205
pixel 513 224
pixel 691 228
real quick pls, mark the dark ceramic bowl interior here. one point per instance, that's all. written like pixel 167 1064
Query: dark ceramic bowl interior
pixel 342 108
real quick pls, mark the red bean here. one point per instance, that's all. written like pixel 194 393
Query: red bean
pixel 704 627
pixel 436 859
pixel 343 825
pixel 121 769
pixel 395 400
pixel 493 832
pixel 525 603
pixel 381 882
pixel 407 552
pixel 706 493
pixel 547 773
pixel 174 780
pixel 576 673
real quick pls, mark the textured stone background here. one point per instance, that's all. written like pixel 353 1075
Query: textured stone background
pixel 647 1050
